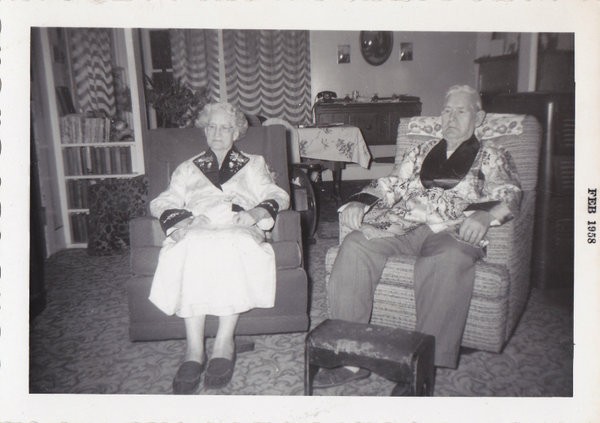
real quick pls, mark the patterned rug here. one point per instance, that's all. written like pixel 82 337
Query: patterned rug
pixel 80 344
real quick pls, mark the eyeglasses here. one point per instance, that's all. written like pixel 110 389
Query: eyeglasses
pixel 225 129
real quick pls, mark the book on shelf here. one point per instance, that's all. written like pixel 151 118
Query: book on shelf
pixel 95 163
pixel 86 159
pixel 77 193
pixel 125 155
pixel 71 130
pixel 67 163
pixel 79 227
pixel 115 160
pixel 71 195
pixel 93 160
pixel 107 162
pixel 76 128
pixel 128 164
pixel 73 162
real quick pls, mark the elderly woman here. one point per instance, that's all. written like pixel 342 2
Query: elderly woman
pixel 214 259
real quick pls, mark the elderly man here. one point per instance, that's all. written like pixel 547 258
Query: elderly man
pixel 437 204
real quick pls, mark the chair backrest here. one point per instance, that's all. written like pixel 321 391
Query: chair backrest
pixel 165 149
pixel 520 134
pixel 293 139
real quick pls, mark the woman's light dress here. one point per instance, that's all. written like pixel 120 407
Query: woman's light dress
pixel 218 268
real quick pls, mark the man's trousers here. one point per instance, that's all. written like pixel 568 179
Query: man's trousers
pixel 443 278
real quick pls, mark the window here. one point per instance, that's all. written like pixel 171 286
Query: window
pixel 157 64
pixel 264 72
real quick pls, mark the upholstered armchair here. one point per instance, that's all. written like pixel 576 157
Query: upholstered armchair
pixel 164 150
pixel 502 278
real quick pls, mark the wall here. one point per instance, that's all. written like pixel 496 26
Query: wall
pixel 440 59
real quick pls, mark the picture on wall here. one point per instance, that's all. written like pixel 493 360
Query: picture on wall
pixel 343 54
pixel 406 51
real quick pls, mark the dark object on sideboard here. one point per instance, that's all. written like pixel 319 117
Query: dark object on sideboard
pixel 378 121
pixel 552 263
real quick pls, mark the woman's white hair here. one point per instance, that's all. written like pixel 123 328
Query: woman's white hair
pixel 466 89
pixel 238 119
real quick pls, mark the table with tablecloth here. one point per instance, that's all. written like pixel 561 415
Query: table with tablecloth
pixel 334 146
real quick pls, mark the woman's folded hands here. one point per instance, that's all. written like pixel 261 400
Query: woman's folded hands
pixel 250 217
pixel 243 218
pixel 182 227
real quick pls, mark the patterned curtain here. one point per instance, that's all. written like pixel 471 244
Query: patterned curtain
pixel 90 50
pixel 268 73
pixel 195 58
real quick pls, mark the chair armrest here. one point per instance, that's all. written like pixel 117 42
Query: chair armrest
pixel 145 232
pixel 343 230
pixel 287 227
pixel 507 242
pixel 512 240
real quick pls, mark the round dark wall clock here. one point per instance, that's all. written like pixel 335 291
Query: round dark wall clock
pixel 376 46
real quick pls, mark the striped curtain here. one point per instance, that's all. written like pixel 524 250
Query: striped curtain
pixel 195 59
pixel 90 51
pixel 268 73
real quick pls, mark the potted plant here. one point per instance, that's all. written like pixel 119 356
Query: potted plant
pixel 176 104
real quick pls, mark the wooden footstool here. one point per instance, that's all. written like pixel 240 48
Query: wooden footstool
pixel 398 355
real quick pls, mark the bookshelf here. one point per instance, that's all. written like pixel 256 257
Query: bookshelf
pixel 88 146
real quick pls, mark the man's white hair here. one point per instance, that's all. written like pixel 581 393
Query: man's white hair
pixel 466 89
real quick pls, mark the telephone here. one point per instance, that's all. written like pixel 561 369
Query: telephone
pixel 326 96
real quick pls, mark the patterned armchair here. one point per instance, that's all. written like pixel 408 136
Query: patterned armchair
pixel 502 278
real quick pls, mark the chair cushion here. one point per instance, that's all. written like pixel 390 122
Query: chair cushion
pixel 494 125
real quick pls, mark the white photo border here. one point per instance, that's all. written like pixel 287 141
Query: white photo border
pixel 16 404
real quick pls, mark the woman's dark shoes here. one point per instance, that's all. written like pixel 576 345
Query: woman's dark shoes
pixel 328 378
pixel 187 378
pixel 219 372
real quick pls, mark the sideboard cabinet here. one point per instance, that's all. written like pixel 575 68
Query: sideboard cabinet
pixel 377 120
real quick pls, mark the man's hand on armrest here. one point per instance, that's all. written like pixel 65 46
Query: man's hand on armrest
pixel 352 214
pixel 474 227
pixel 498 210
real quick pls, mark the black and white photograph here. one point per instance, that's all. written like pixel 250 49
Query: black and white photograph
pixel 219 213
